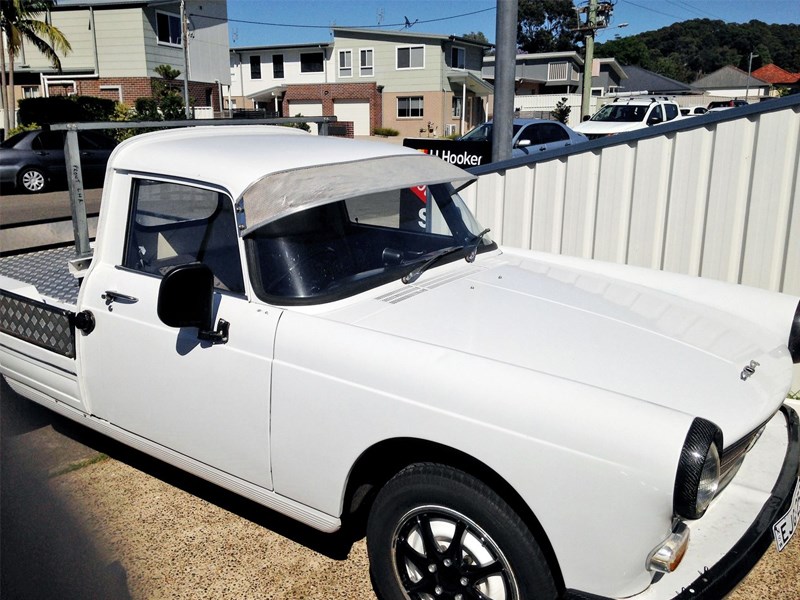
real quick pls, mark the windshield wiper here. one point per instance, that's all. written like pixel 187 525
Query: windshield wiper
pixel 472 247
pixel 414 274
pixel 470 251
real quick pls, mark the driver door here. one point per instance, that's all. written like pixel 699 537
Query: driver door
pixel 210 402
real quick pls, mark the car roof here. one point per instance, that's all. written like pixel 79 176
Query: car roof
pixel 520 121
pixel 280 170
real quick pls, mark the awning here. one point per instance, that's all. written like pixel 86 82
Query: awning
pixel 474 84
pixel 268 93
pixel 286 192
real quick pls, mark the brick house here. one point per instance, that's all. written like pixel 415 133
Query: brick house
pixel 117 44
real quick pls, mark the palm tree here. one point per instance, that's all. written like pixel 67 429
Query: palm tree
pixel 19 23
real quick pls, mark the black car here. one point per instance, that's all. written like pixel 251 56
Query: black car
pixel 32 161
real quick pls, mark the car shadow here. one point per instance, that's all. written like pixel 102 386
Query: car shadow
pixel 23 416
pixel 47 553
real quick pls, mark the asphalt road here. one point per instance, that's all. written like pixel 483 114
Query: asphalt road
pixel 84 517
pixel 22 208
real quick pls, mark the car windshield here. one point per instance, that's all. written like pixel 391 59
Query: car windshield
pixel 483 133
pixel 341 248
pixel 621 113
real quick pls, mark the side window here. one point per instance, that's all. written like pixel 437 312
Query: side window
pixel 49 140
pixel 549 133
pixel 671 110
pixel 529 134
pixel 656 114
pixel 408 209
pixel 174 224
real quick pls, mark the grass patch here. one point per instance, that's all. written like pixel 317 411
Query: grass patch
pixel 76 466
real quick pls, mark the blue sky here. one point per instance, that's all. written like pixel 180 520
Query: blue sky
pixel 275 22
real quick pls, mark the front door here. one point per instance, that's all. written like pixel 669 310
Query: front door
pixel 208 402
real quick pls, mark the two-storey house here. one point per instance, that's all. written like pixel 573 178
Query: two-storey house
pixel 431 84
pixel 117 45
pixel 560 73
pixel 418 84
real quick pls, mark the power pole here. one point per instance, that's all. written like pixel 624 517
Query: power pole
pixel 598 16
pixel 588 59
pixel 505 67
pixel 185 40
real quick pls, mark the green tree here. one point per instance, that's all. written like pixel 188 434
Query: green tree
pixel 167 101
pixel 19 22
pixel 547 26
pixel 561 111
pixel 476 36
pixel 691 49
pixel 628 51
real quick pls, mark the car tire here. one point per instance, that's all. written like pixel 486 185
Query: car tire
pixel 424 510
pixel 32 180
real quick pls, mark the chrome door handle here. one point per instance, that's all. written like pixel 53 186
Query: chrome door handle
pixel 111 296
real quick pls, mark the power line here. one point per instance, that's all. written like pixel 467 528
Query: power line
pixel 649 8
pixel 686 6
pixel 296 26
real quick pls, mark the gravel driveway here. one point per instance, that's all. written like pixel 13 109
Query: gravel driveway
pixel 83 517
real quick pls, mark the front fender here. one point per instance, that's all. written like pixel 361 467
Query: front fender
pixel 597 469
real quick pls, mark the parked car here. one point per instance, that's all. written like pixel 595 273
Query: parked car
pixel 725 104
pixel 530 135
pixel 629 114
pixel 31 161
pixel 693 111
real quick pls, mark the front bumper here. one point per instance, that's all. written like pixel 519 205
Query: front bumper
pixel 725 574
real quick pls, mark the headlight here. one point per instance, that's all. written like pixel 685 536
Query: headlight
pixel 794 336
pixel 698 475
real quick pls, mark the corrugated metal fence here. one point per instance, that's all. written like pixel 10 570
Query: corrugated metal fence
pixel 716 196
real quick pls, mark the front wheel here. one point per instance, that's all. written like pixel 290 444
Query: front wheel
pixel 32 180
pixel 435 532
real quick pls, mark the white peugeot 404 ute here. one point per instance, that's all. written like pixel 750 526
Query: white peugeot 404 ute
pixel 322 326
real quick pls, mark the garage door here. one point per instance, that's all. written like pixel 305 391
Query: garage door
pixel 356 111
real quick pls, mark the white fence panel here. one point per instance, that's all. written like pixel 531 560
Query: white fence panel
pixel 547 103
pixel 716 196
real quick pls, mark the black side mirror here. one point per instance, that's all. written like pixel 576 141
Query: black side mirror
pixel 186 299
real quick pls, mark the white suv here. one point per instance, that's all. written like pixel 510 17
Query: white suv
pixel 629 114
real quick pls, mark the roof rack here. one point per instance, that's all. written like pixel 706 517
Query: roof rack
pixel 650 97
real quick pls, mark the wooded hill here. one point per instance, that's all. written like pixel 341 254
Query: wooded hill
pixel 692 49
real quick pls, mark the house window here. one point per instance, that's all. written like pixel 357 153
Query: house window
pixel 345 63
pixel 255 67
pixel 311 62
pixel 457 106
pixel 409 106
pixel 557 71
pixel 30 91
pixel 411 57
pixel 458 58
pixel 168 28
pixel 277 66
pixel 366 67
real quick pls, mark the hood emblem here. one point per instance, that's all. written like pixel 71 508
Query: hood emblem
pixel 749 370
